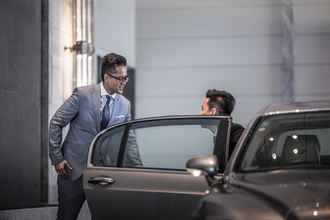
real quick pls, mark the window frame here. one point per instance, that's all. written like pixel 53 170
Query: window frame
pixel 154 121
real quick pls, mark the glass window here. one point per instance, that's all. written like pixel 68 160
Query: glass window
pixel 288 142
pixel 171 146
pixel 107 147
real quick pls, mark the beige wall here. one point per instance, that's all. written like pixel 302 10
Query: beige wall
pixel 185 47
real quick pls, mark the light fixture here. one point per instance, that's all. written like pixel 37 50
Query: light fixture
pixel 82 47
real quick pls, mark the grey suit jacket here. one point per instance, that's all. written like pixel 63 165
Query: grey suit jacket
pixel 82 111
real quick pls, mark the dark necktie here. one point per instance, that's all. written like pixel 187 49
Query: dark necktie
pixel 106 114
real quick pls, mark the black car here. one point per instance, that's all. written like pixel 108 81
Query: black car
pixel 280 168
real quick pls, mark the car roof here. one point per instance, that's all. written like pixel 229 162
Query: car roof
pixel 295 107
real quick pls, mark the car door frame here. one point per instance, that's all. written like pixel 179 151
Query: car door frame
pixel 164 191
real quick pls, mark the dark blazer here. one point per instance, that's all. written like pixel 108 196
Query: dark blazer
pixel 235 133
pixel 82 111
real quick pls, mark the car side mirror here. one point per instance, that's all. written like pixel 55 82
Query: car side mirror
pixel 207 166
pixel 204 165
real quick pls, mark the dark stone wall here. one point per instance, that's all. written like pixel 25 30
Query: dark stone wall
pixel 23 90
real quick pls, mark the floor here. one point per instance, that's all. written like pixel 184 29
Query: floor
pixel 44 213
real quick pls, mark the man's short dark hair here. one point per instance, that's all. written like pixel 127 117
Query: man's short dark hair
pixel 110 62
pixel 222 100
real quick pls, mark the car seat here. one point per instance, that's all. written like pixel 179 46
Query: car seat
pixel 300 149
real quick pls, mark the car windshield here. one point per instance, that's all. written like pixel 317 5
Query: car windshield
pixel 289 141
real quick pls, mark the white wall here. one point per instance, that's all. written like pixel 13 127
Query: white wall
pixel 115 28
pixel 60 67
pixel 312 79
pixel 185 47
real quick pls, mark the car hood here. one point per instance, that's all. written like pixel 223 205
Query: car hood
pixel 295 195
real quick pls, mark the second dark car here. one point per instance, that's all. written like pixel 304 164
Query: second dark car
pixel 279 170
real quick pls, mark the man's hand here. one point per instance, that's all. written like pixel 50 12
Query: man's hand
pixel 63 168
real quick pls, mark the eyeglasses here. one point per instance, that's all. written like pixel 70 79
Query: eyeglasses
pixel 120 78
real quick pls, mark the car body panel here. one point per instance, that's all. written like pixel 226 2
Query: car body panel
pixel 144 194
pixel 272 195
pixel 294 107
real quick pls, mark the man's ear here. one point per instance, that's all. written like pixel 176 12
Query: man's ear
pixel 106 76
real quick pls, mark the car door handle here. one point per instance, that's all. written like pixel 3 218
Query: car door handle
pixel 101 180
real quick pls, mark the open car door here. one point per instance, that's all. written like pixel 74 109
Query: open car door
pixel 136 170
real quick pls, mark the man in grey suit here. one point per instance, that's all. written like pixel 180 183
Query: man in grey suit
pixel 89 110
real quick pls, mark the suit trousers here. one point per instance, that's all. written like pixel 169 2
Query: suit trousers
pixel 71 197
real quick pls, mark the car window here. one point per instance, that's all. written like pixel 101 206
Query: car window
pixel 158 144
pixel 288 142
pixel 107 147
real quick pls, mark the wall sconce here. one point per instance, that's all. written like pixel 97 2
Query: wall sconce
pixel 82 47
